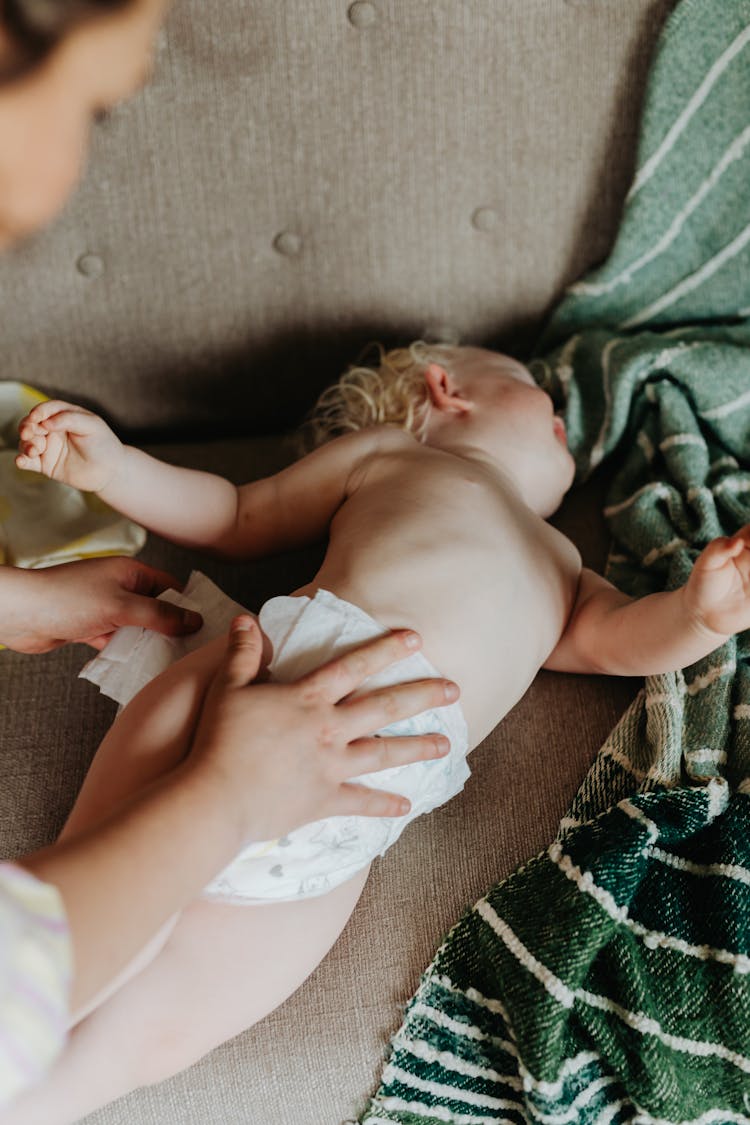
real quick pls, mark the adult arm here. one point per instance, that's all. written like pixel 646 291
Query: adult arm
pixel 86 601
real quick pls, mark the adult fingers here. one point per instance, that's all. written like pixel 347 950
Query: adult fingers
pixel 368 755
pixel 345 674
pixel 358 800
pixel 162 617
pixel 244 651
pixel 400 701
pixel 99 642
pixel 143 579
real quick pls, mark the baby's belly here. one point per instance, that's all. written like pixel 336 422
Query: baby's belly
pixel 492 645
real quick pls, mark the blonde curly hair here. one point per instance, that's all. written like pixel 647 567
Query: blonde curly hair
pixel 391 393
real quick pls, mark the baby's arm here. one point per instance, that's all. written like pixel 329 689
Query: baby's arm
pixel 193 508
pixel 608 632
pixel 69 444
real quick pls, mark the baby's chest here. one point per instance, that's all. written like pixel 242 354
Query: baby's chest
pixel 529 584
pixel 509 626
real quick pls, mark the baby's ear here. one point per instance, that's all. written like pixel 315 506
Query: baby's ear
pixel 444 393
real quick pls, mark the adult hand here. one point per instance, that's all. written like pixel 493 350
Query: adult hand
pixel 300 744
pixel 86 601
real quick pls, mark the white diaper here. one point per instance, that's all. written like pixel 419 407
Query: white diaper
pixel 306 633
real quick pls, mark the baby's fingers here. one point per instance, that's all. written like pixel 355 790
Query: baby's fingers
pixel 391 704
pixel 29 462
pixel 27 430
pixel 74 422
pixel 43 411
pixel 720 551
pixel 32 444
pixel 368 755
pixel 357 800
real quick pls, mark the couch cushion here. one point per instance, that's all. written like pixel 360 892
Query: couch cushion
pixel 300 178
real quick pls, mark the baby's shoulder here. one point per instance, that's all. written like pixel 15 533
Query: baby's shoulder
pixel 387 438
pixel 370 452
pixel 376 439
pixel 378 444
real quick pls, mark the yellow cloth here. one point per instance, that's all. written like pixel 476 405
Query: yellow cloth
pixel 43 522
pixel 35 974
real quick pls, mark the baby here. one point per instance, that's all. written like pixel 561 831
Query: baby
pixel 442 466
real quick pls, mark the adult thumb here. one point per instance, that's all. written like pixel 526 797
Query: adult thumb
pixel 161 616
pixel 244 651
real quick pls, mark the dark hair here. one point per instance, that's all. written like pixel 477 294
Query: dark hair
pixel 36 27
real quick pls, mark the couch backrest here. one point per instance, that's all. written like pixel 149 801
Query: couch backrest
pixel 304 176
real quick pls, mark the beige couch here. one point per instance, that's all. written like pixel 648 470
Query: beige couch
pixel 301 177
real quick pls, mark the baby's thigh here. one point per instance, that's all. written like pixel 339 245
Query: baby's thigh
pixel 234 965
pixel 148 738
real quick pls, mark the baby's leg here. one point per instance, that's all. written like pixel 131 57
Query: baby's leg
pixel 150 736
pixel 223 968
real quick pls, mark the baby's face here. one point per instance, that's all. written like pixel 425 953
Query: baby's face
pixel 514 421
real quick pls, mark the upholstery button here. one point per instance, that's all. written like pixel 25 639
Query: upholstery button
pixel 288 244
pixel 362 14
pixel 485 218
pixel 90 265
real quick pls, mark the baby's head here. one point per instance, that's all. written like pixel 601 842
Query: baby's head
pixel 467 400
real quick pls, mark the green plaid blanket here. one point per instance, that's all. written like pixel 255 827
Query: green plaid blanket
pixel 607 980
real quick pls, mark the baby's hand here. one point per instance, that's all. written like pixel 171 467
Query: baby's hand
pixel 69 444
pixel 718 590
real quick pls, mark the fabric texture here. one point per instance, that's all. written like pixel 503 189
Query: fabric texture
pixel 35 973
pixel 607 980
pixel 43 522
pixel 294 182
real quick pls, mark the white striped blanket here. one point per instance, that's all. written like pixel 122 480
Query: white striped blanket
pixel 608 980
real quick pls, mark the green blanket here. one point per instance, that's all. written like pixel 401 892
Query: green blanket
pixel 607 980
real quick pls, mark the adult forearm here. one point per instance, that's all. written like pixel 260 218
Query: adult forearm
pixel 122 880
pixel 190 507
pixel 16 603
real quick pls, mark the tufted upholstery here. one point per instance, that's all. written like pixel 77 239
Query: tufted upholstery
pixel 299 178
